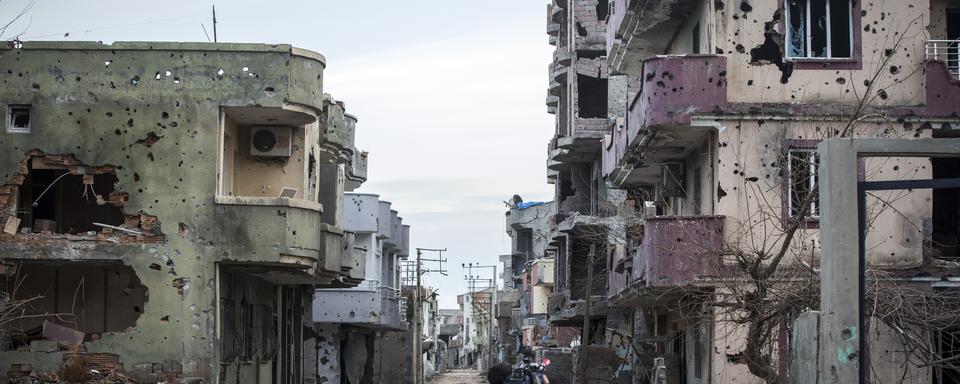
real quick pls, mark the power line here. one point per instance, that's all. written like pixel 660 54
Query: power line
pixel 65 34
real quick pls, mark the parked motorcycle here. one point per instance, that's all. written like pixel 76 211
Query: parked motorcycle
pixel 528 372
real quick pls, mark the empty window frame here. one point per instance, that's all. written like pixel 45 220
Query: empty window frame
pixel 802 166
pixel 18 118
pixel 819 28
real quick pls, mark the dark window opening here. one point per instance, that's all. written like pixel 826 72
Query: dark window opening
pixel 819 28
pixel 591 96
pixel 19 119
pixel 603 9
pixel 525 243
pixel 695 42
pixel 62 201
pixel 802 166
pixel 580 259
pixel 946 209
pixel 947 343
pixel 248 318
pixel 90 297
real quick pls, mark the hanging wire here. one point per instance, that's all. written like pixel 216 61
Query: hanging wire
pixel 37 201
pixel 68 33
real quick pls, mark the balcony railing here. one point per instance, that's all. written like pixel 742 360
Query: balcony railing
pixel 947 51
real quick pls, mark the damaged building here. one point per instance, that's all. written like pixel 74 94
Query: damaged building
pixel 169 208
pixel 364 328
pixel 686 144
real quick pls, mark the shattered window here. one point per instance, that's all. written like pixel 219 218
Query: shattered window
pixel 819 28
pixel 802 168
pixel 19 119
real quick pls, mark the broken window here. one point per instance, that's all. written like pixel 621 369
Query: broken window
pixel 82 299
pixel 18 119
pixel 63 201
pixel 947 343
pixel 802 166
pixel 819 28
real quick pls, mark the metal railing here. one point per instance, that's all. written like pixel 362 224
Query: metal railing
pixel 947 51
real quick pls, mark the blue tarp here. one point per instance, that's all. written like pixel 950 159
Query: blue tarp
pixel 528 204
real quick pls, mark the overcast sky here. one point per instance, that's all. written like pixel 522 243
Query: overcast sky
pixel 449 95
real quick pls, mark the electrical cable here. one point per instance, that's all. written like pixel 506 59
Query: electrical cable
pixel 66 34
pixel 37 201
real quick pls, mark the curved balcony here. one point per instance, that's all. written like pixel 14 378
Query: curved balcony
pixel 552 101
pixel 376 308
pixel 658 127
pixel 285 236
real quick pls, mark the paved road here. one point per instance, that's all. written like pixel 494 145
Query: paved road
pixel 460 376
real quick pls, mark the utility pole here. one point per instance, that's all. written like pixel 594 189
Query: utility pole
pixel 585 334
pixel 492 308
pixel 214 23
pixel 417 316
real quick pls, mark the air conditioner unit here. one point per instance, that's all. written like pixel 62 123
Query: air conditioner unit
pixel 271 141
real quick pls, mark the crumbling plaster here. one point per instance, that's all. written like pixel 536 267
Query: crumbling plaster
pixel 95 101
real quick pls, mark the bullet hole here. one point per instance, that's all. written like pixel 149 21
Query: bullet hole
pixel 150 156
pixel 35 87
pixel 888 52
pixel 753 179
pixel 168 73
pixel 749 82
pixel 164 115
pixel 176 80
pixel 118 132
pixel 59 79
pixel 740 48
pixel 148 141
pixel 896 167
pixel 745 7
pixel 269 92
pixel 761 122
pixel 220 72
pixel 883 94
pixel 78 78
pixel 107 63
pixel 129 122
pixel 894 70
pixel 109 114
pixel 156 76
pixel 866 83
pixel 135 80
pixel 112 86
pixel 720 192
pixel 165 319
pixel 155 267
pixel 841 81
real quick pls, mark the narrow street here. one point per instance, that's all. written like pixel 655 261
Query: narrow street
pixel 461 376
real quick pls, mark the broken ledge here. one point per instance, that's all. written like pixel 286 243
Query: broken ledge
pixel 269 201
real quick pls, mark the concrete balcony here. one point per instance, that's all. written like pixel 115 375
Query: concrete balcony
pixel 377 308
pixel 634 34
pixel 585 139
pixel 566 312
pixel 659 126
pixel 677 251
pixel 285 236
pixel 360 212
pixel 403 250
pixel 542 273
pixel 449 329
pixel 385 223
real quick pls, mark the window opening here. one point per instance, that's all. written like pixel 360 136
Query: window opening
pixel 18 120
pixel 802 166
pixel 819 28
pixel 695 43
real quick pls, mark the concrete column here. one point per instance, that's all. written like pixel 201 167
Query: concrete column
pixel 840 239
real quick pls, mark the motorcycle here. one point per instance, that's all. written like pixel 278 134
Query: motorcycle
pixel 528 372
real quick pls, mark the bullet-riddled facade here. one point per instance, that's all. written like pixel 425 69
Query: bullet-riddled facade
pixel 167 209
pixel 711 116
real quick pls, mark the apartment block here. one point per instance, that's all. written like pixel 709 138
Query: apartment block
pixel 168 209
pixel 685 155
